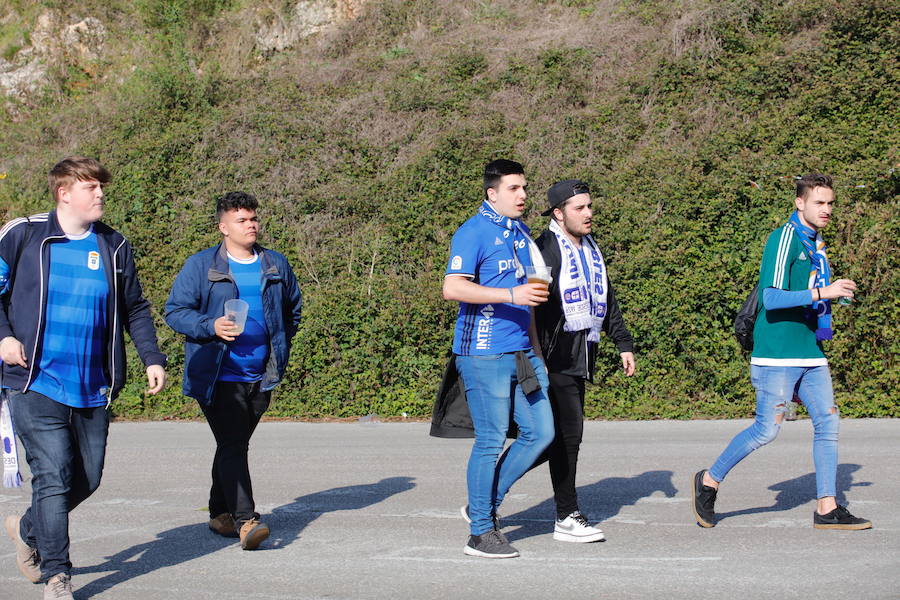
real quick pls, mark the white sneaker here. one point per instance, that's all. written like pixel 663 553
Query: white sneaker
pixel 575 528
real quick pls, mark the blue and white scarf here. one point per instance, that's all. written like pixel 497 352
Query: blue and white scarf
pixel 11 475
pixel 583 294
pixel 819 277
pixel 520 237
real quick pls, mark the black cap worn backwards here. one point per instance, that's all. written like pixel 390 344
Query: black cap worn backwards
pixel 561 191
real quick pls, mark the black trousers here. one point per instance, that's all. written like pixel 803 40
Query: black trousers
pixel 567 402
pixel 233 416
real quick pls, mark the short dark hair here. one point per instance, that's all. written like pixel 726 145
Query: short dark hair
pixel 808 182
pixel 76 168
pixel 235 201
pixel 496 169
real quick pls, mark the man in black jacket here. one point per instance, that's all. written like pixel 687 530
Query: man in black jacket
pixel 68 292
pixel 582 304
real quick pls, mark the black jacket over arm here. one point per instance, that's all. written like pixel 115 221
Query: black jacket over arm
pixel 566 352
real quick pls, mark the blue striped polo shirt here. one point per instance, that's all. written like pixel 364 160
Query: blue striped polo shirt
pixel 247 354
pixel 73 347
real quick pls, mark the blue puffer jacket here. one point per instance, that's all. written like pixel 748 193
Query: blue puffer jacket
pixel 24 274
pixel 198 298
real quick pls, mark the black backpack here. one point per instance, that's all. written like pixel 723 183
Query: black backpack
pixel 745 319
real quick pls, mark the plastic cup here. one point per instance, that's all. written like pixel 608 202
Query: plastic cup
pixel 236 312
pixel 539 275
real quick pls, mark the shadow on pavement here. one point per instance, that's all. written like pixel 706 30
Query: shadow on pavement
pixel 801 490
pixel 598 501
pixel 185 543
pixel 289 520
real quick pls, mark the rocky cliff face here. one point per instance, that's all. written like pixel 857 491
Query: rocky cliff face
pixel 54 42
pixel 61 42
pixel 279 30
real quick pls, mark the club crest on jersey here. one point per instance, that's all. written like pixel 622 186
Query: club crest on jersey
pixel 93 260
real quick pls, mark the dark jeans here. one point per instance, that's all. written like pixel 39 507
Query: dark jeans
pixel 233 415
pixel 65 448
pixel 567 402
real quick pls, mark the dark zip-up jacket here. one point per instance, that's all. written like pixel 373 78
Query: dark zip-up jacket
pixel 25 255
pixel 569 353
pixel 198 298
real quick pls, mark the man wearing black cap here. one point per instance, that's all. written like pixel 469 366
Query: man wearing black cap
pixel 581 305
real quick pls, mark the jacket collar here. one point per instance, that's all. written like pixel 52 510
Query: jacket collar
pixel 53 222
pixel 220 271
pixel 56 230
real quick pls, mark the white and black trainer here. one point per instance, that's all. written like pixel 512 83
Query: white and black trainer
pixel 575 528
pixel 491 544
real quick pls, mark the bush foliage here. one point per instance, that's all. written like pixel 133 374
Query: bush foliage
pixel 365 146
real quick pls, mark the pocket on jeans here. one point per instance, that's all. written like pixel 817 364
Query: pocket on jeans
pixel 486 356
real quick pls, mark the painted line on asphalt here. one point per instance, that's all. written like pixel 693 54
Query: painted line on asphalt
pixel 648 561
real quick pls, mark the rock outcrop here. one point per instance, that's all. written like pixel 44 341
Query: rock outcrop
pixel 277 31
pixel 55 42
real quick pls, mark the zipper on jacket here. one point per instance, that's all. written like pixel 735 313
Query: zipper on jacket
pixel 42 310
pixel 266 282
pixel 555 336
pixel 115 307
pixel 587 357
pixel 223 345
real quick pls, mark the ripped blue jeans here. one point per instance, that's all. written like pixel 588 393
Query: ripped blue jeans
pixel 775 386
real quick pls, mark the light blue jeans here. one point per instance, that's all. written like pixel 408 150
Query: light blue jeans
pixel 493 393
pixel 775 386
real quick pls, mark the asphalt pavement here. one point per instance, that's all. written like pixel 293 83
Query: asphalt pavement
pixel 372 511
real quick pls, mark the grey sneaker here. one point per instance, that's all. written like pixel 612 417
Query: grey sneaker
pixel 27 558
pixel 59 587
pixel 464 511
pixel 492 544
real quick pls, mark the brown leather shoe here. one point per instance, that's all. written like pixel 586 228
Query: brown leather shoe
pixel 27 558
pixel 252 534
pixel 223 525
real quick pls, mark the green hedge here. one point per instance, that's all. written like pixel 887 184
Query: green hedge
pixel 365 147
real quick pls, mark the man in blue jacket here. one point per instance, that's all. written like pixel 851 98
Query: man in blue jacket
pixel 230 372
pixel 68 290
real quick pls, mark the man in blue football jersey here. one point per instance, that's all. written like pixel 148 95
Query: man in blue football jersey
pixel 496 349
pixel 230 372
pixel 69 290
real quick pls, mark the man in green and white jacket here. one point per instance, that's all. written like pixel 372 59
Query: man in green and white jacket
pixel 794 318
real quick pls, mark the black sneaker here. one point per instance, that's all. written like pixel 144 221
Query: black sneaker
pixel 492 544
pixel 839 518
pixel 704 501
